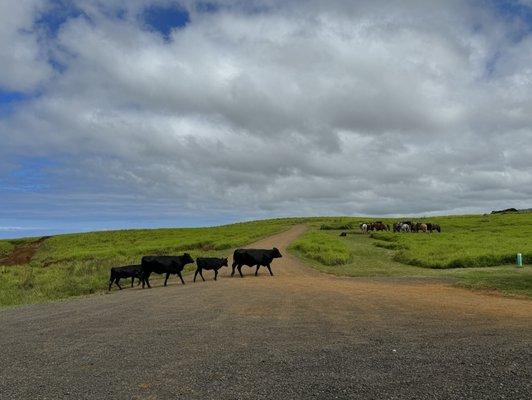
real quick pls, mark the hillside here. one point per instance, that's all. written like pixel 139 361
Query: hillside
pixel 40 269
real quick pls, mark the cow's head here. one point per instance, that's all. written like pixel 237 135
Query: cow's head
pixel 276 253
pixel 225 262
pixel 187 259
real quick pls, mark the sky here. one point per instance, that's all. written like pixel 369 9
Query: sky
pixel 146 113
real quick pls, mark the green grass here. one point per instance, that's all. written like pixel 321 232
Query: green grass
pixel 476 252
pixel 465 242
pixel 324 248
pixel 78 264
pixel 6 247
pixel 482 246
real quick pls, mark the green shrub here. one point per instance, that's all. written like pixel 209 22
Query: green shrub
pixel 323 248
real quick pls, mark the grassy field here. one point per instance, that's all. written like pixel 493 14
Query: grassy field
pixel 477 252
pixel 483 247
pixel 78 264
pixel 5 248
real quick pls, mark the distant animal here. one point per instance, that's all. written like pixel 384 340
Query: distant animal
pixel 423 228
pixel 127 271
pixel 397 227
pixel 415 227
pixel 343 234
pixel 380 226
pixel 364 228
pixel 405 228
pixel 209 263
pixel 164 265
pixel 436 227
pixel 254 257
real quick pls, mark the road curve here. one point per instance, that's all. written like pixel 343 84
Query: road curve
pixel 298 335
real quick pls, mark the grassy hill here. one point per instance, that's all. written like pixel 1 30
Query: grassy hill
pixel 78 264
pixel 474 251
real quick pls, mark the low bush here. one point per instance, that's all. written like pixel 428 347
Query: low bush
pixel 323 248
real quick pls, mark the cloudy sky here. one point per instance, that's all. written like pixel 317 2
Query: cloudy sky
pixel 130 113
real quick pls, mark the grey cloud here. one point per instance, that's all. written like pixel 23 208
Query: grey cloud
pixel 296 109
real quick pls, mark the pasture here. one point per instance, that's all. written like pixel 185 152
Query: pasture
pixel 79 264
pixel 474 251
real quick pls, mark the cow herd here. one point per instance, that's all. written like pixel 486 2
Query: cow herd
pixel 401 226
pixel 168 265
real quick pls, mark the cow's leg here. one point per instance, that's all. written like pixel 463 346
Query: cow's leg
pixel 181 277
pixel 117 281
pixel 215 274
pixel 196 274
pixel 257 270
pixel 146 280
pixel 132 281
pixel 233 266
pixel 269 269
pixel 201 274
pixel 166 279
pixel 111 280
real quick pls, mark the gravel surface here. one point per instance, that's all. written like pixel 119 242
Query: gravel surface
pixel 298 335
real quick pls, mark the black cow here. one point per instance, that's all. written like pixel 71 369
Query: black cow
pixel 209 263
pixel 251 257
pixel 128 271
pixel 164 265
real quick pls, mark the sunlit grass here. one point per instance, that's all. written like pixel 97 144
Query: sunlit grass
pixel 78 264
pixel 477 252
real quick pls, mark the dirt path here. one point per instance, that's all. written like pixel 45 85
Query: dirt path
pixel 298 335
pixel 22 254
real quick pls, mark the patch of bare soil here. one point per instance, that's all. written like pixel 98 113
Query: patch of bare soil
pixel 23 253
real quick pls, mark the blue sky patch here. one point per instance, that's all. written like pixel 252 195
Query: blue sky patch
pixel 9 101
pixel 207 7
pixel 56 15
pixel 7 97
pixel 164 19
pixel 516 13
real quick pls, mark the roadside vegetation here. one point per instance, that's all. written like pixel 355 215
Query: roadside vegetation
pixel 476 252
pixel 78 264
pixel 6 247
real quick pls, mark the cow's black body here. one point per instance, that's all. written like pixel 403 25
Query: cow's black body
pixel 254 257
pixel 209 263
pixel 164 265
pixel 128 271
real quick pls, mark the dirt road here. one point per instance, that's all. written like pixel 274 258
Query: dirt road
pixel 298 335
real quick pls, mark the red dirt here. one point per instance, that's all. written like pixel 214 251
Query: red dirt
pixel 23 253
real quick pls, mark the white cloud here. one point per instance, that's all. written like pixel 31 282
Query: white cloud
pixel 23 64
pixel 297 109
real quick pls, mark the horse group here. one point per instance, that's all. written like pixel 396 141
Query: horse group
pixel 366 227
pixel 402 226
pixel 409 226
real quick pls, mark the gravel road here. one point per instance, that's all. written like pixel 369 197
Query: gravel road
pixel 298 335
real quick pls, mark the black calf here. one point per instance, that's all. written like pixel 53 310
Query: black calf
pixel 128 271
pixel 209 263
